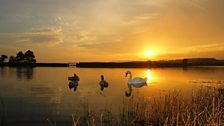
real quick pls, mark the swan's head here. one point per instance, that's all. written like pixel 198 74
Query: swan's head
pixel 127 72
pixel 102 78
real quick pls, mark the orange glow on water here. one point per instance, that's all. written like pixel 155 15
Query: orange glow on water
pixel 149 76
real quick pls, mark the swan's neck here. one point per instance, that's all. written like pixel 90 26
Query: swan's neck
pixel 102 78
pixel 130 76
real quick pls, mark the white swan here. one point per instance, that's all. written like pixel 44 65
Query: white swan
pixel 137 81
pixel 103 84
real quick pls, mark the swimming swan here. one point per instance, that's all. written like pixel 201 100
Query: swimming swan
pixel 74 78
pixel 137 81
pixel 73 82
pixel 103 84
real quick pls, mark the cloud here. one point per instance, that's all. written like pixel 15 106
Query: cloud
pixel 37 36
pixel 39 39
pixel 213 50
pixel 47 30
pixel 205 48
pixel 117 27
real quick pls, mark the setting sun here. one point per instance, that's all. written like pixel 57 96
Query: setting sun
pixel 149 53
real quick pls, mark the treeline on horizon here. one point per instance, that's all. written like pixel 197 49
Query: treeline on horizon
pixel 154 64
pixel 27 58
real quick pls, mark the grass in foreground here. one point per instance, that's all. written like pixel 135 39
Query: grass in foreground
pixel 203 107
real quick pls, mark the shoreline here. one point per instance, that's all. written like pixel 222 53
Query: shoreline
pixel 154 64
pixel 35 64
pixel 184 63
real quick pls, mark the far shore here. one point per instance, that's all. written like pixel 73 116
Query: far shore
pixel 192 62
pixel 35 64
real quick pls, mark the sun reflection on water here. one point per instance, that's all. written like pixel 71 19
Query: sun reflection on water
pixel 149 76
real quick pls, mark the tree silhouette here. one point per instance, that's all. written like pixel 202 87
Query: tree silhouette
pixel 29 57
pixel 12 59
pixel 2 58
pixel 20 56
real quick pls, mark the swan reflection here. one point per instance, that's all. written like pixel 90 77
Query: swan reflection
pixel 73 82
pixel 137 82
pixel 103 83
pixel 129 92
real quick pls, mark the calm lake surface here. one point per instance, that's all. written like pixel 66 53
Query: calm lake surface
pixel 30 96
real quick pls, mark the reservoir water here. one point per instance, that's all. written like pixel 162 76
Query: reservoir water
pixel 33 96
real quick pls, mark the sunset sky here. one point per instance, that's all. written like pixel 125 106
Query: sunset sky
pixel 112 30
